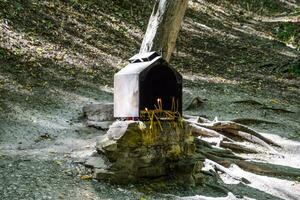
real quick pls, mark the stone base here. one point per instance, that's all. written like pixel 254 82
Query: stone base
pixel 99 115
pixel 132 152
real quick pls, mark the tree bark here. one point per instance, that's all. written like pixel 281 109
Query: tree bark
pixel 163 27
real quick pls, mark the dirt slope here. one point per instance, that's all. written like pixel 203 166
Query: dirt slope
pixel 56 56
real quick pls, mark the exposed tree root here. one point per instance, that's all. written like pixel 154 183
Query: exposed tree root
pixel 240 130
pixel 222 159
pixel 252 139
pixel 223 169
pixel 221 155
pixel 254 167
pixel 202 131
pixel 268 169
pixel 237 147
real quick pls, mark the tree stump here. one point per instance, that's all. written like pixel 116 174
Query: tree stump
pixel 133 153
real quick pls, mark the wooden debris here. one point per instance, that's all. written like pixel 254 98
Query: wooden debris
pixel 201 131
pixel 268 169
pixel 232 127
pixel 253 139
pixel 223 130
pixel 223 169
pixel 221 156
pixel 237 147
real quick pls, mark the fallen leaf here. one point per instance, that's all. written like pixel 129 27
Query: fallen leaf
pixel 274 101
pixel 58 162
pixel 86 177
pixel 52 151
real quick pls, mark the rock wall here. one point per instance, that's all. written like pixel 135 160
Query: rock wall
pixel 133 152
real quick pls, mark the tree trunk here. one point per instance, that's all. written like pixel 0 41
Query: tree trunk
pixel 163 27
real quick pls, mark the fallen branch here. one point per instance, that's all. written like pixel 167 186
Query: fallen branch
pixel 220 168
pixel 222 159
pixel 229 125
pixel 201 131
pixel 268 169
pixel 224 132
pixel 237 147
pixel 251 138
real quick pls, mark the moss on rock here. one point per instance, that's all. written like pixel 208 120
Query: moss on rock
pixel 138 153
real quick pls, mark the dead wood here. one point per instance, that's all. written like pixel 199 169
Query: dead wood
pixel 222 152
pixel 251 138
pixel 203 120
pixel 253 167
pixel 222 156
pixel 205 132
pixel 238 148
pixel 219 128
pixel 223 169
pixel 268 169
pixel 218 155
pixel 229 125
pixel 222 159
pixel 201 131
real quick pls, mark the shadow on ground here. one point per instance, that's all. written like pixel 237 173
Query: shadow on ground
pixel 56 56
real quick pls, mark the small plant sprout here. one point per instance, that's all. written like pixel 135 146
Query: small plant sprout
pixel 157 115
pixel 159 103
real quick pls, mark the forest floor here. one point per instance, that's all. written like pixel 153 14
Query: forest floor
pixel 241 59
